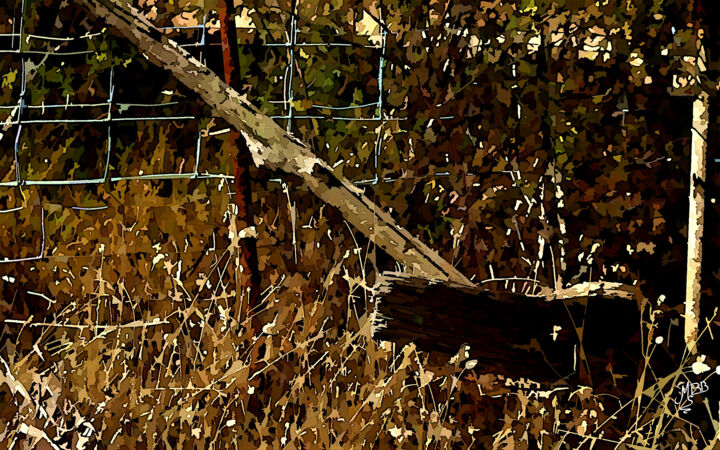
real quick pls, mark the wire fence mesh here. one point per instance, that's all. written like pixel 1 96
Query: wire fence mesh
pixel 483 145
pixel 22 115
pixel 113 111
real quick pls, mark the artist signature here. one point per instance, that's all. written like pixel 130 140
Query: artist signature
pixel 688 391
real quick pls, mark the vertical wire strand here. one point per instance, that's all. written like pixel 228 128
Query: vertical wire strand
pixel 109 126
pixel 379 139
pixel 379 113
pixel 13 32
pixel 21 102
pixel 293 39
pixel 202 39
pixel 197 152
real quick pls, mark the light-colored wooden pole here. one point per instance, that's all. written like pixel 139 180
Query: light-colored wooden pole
pixel 696 219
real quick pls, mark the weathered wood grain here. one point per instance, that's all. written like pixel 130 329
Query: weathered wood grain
pixel 580 339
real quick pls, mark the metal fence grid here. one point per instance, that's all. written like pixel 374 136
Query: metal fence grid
pixel 18 36
pixel 114 108
pixel 17 119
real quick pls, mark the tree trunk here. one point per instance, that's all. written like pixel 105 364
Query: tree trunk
pixel 696 218
pixel 270 145
pixel 516 335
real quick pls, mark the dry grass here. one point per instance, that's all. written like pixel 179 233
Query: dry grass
pixel 133 352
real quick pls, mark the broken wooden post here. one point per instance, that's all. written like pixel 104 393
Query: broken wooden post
pixel 241 163
pixel 270 145
pixel 538 337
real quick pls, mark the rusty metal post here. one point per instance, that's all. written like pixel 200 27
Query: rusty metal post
pixel 241 159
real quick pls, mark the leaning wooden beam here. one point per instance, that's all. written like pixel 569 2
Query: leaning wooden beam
pixel 270 145
pixel 583 336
